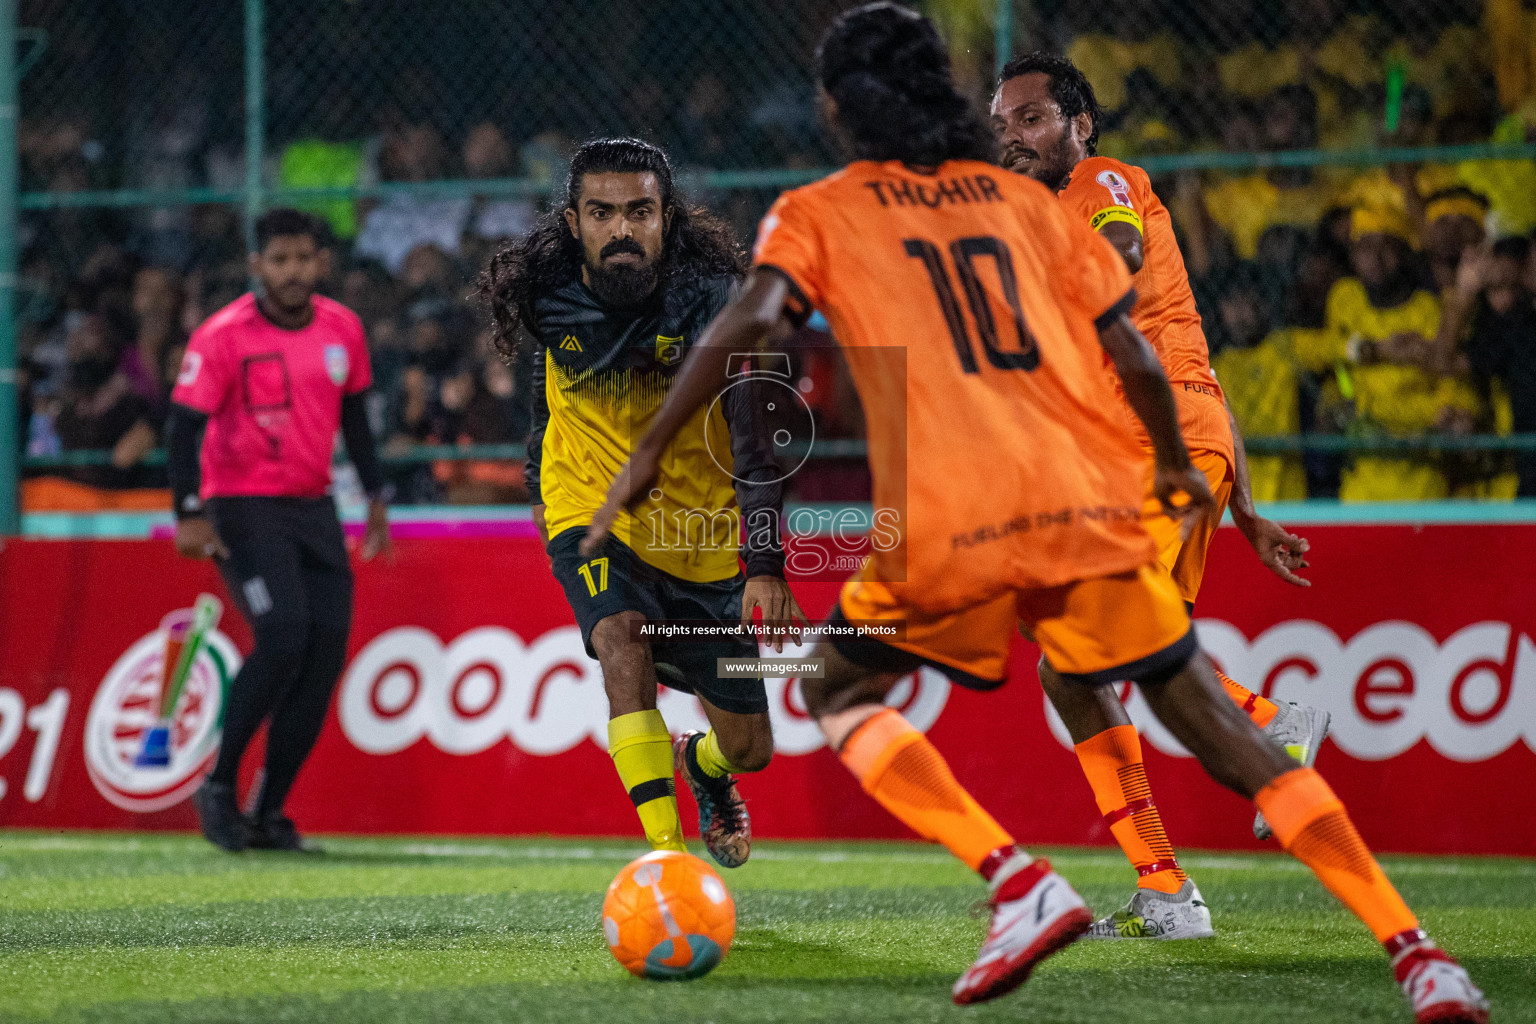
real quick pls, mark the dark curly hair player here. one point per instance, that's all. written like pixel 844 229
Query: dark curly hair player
pixel 612 291
pixel 976 313
pixel 887 72
pixel 694 245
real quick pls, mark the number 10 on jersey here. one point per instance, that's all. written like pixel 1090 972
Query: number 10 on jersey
pixel 963 252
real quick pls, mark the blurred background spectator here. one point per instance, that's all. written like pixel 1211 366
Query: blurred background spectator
pixel 1352 297
pixel 98 407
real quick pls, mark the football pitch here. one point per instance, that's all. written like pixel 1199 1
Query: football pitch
pixel 163 928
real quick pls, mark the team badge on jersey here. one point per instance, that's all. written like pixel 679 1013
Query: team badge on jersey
pixel 191 363
pixel 669 351
pixel 337 364
pixel 1118 187
pixel 570 344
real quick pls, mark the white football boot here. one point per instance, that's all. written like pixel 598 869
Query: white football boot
pixel 1158 915
pixel 1300 729
pixel 1438 988
pixel 1034 913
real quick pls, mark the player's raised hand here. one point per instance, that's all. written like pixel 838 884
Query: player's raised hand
pixel 634 477
pixel 1282 552
pixel 1189 481
pixel 773 596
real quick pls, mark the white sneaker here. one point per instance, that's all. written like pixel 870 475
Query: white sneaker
pixel 1439 988
pixel 1300 729
pixel 1158 915
pixel 1034 913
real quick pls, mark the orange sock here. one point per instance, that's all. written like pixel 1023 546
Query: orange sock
pixel 1261 709
pixel 1112 762
pixel 899 767
pixel 1312 825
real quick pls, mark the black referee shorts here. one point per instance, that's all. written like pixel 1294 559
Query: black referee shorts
pixel 617 580
pixel 287 564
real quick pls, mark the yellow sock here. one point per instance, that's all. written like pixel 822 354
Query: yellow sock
pixel 641 749
pixel 710 760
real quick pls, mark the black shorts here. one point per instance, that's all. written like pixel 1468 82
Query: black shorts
pixel 597 589
pixel 287 561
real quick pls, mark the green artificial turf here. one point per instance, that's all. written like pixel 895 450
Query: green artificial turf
pixel 163 928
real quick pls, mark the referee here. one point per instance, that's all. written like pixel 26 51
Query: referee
pixel 265 384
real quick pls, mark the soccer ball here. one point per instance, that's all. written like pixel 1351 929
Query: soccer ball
pixel 667 916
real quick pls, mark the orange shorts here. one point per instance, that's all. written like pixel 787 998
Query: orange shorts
pixel 1185 559
pixel 1127 626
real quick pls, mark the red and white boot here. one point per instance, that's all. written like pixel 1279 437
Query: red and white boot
pixel 1438 988
pixel 1034 913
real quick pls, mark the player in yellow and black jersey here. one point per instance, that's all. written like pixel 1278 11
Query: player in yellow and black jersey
pixel 612 291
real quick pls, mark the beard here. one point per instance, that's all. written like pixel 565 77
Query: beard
pixel 1051 166
pixel 290 301
pixel 622 284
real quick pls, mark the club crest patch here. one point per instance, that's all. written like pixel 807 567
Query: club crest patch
pixel 669 351
pixel 1119 188
pixel 337 364
pixel 191 365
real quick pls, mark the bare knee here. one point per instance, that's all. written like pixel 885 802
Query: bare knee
pixel 1085 710
pixel 629 677
pixel 842 685
pixel 1050 680
pixel 845 697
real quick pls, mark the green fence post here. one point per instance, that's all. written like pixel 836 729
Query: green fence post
pixel 10 444
pixel 255 115
pixel 1002 34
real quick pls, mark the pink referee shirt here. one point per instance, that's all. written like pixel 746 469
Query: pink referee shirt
pixel 273 397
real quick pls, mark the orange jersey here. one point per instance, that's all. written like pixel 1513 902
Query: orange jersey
pixel 966 301
pixel 1104 191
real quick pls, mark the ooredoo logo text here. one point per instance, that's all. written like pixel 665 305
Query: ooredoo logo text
pixel 1391 685
pixel 488 684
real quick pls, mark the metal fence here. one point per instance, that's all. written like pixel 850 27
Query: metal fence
pixel 158 128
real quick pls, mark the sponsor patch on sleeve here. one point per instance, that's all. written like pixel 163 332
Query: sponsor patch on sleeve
pixel 191 363
pixel 1119 188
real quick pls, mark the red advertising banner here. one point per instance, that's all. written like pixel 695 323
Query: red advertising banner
pixel 468 705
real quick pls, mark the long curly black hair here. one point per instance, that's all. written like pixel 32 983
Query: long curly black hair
pixel 697 244
pixel 889 72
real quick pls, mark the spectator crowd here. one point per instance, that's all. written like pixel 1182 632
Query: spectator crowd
pixel 1368 302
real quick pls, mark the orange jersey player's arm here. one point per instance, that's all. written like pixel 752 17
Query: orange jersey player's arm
pixel 1110 203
